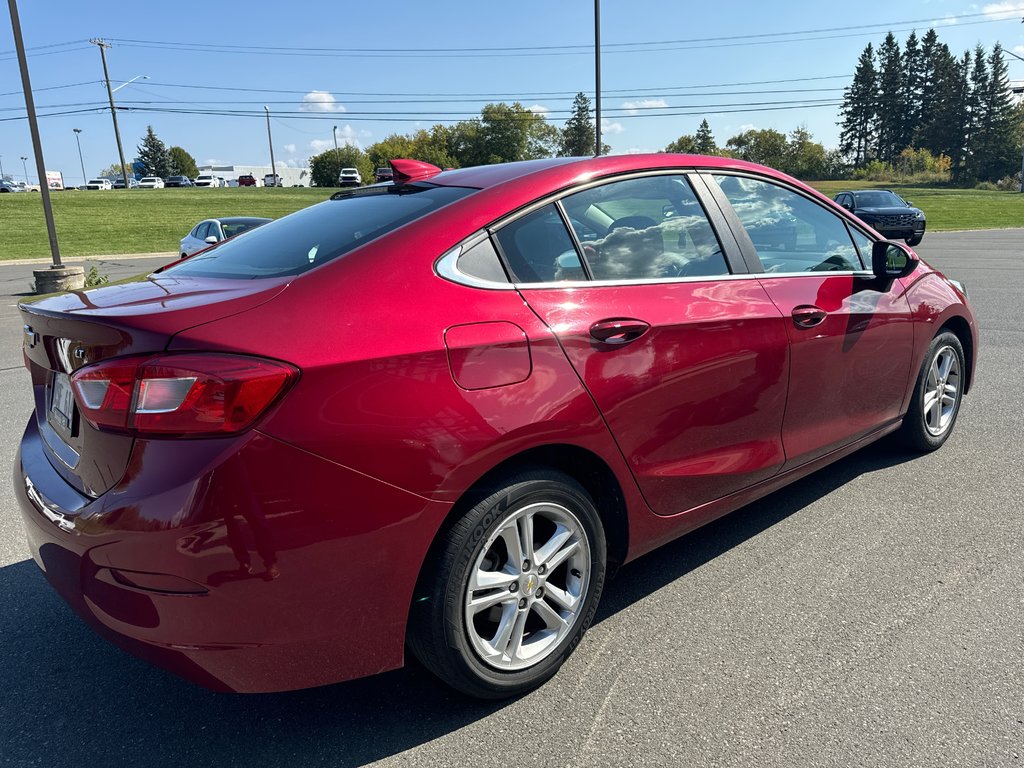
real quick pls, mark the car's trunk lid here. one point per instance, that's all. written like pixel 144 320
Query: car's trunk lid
pixel 65 332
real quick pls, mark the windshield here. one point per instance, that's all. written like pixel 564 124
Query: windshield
pixel 306 239
pixel 878 198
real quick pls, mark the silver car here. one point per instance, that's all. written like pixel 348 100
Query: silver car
pixel 212 231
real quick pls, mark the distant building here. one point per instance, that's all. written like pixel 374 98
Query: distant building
pixel 290 177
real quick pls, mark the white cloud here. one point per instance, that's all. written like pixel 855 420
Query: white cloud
pixel 1019 50
pixel 1003 10
pixel 538 109
pixel 290 149
pixel 748 127
pixel 320 101
pixel 945 21
pixel 607 126
pixel 635 106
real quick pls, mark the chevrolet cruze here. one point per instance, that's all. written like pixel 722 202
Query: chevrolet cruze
pixel 430 417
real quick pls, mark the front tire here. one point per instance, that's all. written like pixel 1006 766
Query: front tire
pixel 938 393
pixel 512 587
pixel 914 240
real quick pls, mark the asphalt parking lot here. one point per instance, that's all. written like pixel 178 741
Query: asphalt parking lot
pixel 869 615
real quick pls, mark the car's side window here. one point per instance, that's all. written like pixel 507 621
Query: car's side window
pixel 481 261
pixel 539 249
pixel 203 231
pixel 790 232
pixel 646 228
pixel 863 243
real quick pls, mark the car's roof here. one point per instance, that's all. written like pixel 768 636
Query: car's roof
pixel 564 171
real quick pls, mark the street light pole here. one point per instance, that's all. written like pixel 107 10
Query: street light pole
pixel 270 141
pixel 37 144
pixel 1 168
pixel 81 162
pixel 113 110
pixel 24 168
pixel 597 73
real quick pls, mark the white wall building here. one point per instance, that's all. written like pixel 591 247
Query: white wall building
pixel 290 177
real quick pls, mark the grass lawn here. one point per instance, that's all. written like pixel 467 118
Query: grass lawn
pixel 133 221
pixel 153 221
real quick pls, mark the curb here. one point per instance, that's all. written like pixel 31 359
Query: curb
pixel 78 260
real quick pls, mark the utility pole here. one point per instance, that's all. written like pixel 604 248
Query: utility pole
pixel 270 140
pixel 81 162
pixel 37 145
pixel 113 110
pixel 597 73
pixel 337 152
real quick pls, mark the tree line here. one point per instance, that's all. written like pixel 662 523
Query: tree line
pixel 503 133
pixel 923 97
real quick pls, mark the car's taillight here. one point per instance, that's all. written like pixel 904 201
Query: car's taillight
pixel 181 394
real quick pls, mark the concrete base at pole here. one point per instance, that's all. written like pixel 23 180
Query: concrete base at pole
pixel 57 279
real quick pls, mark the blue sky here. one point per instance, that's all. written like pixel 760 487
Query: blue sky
pixel 689 61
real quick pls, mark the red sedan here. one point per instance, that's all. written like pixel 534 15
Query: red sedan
pixel 431 416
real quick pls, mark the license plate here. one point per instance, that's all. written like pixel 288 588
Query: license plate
pixel 62 403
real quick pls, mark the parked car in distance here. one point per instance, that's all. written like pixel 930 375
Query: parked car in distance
pixel 383 174
pixel 247 180
pixel 272 180
pixel 240 469
pixel 6 186
pixel 118 183
pixel 100 184
pixel 151 182
pixel 349 177
pixel 207 180
pixel 178 181
pixel 886 212
pixel 212 231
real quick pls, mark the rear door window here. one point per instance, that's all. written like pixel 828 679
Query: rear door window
pixel 649 228
pixel 539 249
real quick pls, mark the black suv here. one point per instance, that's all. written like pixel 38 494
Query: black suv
pixel 886 212
pixel 178 181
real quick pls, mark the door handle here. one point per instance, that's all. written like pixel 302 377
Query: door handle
pixel 808 316
pixel 620 330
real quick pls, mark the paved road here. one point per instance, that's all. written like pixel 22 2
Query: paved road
pixel 870 615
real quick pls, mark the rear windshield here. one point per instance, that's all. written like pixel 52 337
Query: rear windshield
pixel 306 239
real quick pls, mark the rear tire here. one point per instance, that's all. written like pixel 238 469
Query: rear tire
pixel 938 393
pixel 511 587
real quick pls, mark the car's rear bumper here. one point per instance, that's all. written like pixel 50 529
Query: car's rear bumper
pixel 250 566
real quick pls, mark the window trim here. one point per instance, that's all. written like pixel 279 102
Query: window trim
pixel 446 267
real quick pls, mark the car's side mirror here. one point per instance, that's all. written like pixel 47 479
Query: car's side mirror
pixel 212 240
pixel 892 260
pixel 909 204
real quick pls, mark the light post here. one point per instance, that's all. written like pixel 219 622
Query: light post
pixel 24 168
pixel 1 168
pixel 270 141
pixel 129 82
pixel 80 160
pixel 597 74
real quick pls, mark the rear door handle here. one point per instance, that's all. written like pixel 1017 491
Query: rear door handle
pixel 808 316
pixel 618 330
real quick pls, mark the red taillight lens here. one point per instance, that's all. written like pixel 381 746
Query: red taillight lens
pixel 185 394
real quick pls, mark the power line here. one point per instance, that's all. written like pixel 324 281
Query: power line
pixel 565 48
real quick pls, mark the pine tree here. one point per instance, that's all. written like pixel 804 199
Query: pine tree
pixel 704 141
pixel 978 119
pixel 997 145
pixel 856 138
pixel 153 155
pixel 943 123
pixel 891 100
pixel 913 84
pixel 578 136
